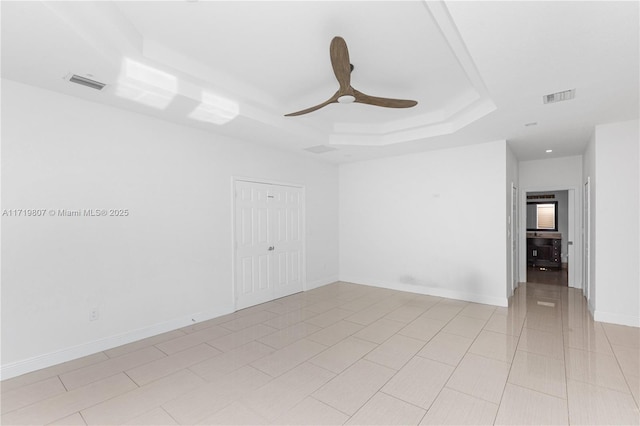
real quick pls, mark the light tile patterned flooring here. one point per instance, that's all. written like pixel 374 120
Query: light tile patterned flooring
pixel 352 354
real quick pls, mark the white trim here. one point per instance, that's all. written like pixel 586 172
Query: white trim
pixel 234 301
pixel 234 179
pixel 303 222
pixel 573 234
pixel 28 365
pixel 322 282
pixel 513 241
pixel 614 318
pixel 586 240
pixel 592 309
pixel 431 291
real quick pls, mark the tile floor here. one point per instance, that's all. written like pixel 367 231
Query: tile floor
pixel 547 275
pixel 352 354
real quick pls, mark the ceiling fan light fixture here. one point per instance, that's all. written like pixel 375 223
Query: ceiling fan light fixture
pixel 346 94
pixel 346 99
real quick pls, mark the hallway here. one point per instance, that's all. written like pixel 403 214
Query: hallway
pixel 547 276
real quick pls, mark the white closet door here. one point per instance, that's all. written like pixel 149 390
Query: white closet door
pixel 287 240
pixel 252 235
pixel 268 236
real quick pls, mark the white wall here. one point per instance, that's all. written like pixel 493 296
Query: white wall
pixel 430 223
pixel 169 261
pixel 617 208
pixel 545 176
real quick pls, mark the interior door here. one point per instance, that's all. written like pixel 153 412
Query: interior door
pixel 253 234
pixel 268 242
pixel 287 240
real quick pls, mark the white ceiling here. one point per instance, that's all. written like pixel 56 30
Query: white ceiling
pixel 478 69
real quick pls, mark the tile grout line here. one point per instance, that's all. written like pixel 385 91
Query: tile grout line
pixel 620 367
pixel 63 385
pixel 82 417
pixel 565 365
pixel 168 414
pixel 456 367
pixel 512 358
pixel 392 376
pixel 66 392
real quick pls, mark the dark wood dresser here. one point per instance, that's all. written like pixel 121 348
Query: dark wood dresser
pixel 544 249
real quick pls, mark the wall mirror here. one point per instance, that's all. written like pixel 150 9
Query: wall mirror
pixel 542 216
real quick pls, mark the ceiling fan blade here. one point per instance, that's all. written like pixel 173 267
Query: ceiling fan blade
pixel 333 99
pixel 340 62
pixel 383 102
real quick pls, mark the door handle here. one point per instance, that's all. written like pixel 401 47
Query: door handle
pixel 271 248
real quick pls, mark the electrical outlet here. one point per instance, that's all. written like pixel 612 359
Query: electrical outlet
pixel 94 314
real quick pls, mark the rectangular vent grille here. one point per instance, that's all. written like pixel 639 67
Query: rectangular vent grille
pixel 87 82
pixel 559 96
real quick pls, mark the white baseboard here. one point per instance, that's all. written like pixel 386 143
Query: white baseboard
pixel 319 283
pixel 18 368
pixel 612 318
pixel 431 291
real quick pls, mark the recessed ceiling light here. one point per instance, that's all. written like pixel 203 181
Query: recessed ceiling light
pixel 533 123
pixel 548 151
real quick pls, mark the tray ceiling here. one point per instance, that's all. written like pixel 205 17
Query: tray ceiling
pixel 477 69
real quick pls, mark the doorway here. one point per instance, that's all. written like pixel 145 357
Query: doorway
pixel 548 237
pixel 543 275
pixel 268 241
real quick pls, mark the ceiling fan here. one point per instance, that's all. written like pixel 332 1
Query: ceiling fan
pixel 346 94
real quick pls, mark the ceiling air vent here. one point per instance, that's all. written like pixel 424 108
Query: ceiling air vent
pixel 559 96
pixel 320 149
pixel 86 82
